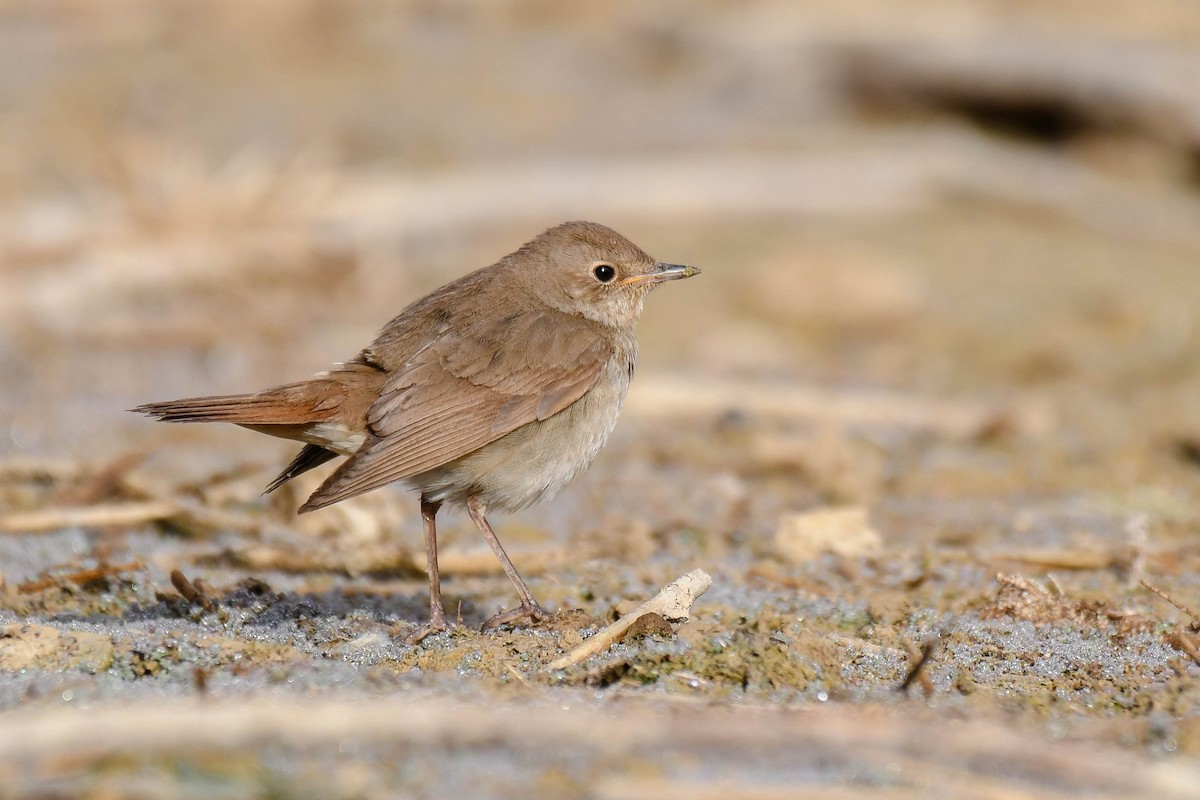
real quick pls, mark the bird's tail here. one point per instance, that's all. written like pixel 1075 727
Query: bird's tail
pixel 263 408
pixel 311 457
pixel 285 412
pixel 328 413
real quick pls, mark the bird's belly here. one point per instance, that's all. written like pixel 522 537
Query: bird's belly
pixel 534 461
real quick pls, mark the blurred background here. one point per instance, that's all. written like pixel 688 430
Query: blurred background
pixel 951 279
pixel 979 197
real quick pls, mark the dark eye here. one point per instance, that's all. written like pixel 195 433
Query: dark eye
pixel 604 272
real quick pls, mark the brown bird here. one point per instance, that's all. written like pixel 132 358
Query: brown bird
pixel 492 392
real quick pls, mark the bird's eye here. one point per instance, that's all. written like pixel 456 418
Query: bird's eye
pixel 604 272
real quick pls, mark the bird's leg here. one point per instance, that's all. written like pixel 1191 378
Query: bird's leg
pixel 437 618
pixel 529 609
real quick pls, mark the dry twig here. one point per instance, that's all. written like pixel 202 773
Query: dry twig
pixel 1180 641
pixel 1058 559
pixel 80 578
pixel 99 516
pixel 1195 617
pixel 190 592
pixel 919 656
pixel 673 603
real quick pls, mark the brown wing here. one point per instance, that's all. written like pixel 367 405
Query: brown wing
pixel 468 388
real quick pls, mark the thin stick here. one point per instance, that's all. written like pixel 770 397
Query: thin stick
pixel 1195 617
pixel 184 512
pixel 1057 559
pixel 917 671
pixel 1180 641
pixel 190 591
pixel 673 603
pixel 98 516
pixel 80 578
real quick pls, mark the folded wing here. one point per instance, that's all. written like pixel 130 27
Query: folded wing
pixel 466 389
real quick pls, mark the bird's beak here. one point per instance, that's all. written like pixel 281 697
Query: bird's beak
pixel 661 272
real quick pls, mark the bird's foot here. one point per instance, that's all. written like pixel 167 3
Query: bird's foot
pixel 435 625
pixel 530 612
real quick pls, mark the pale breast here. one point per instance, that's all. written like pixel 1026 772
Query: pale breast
pixel 537 460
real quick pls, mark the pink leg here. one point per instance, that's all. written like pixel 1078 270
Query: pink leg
pixel 529 609
pixel 437 618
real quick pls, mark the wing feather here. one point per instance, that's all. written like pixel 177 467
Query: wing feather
pixel 472 385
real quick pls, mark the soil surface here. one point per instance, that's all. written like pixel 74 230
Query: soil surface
pixel 930 417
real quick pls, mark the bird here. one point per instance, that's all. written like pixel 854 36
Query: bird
pixel 492 392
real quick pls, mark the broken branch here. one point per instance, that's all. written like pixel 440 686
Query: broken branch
pixel 673 603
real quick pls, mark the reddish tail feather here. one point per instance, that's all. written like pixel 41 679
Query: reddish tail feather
pixel 242 409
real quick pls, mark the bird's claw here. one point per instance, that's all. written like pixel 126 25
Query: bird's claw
pixel 428 629
pixel 526 611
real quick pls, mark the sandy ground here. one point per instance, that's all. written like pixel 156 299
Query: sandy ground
pixel 930 418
